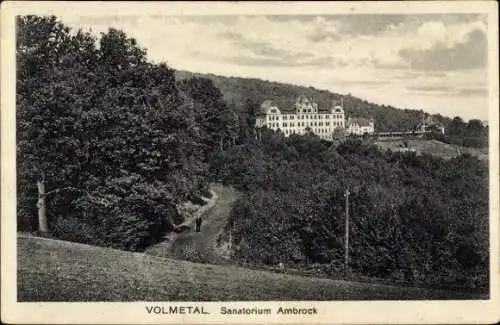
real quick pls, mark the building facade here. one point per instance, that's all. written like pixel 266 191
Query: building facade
pixel 430 125
pixel 360 126
pixel 305 117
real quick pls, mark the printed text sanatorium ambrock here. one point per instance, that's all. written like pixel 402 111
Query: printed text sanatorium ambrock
pixel 186 310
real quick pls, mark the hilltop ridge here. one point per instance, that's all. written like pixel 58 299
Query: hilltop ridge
pixel 242 92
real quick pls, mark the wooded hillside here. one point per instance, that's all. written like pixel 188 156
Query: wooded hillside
pixel 417 219
pixel 245 92
pixel 245 95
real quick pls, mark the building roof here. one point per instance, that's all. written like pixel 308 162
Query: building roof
pixel 304 100
pixel 265 106
pixel 287 105
pixel 361 121
pixel 432 121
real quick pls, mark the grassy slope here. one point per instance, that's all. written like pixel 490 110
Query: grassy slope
pixel 431 147
pixel 51 270
pixel 435 148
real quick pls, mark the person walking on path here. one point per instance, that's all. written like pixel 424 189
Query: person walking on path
pixel 198 224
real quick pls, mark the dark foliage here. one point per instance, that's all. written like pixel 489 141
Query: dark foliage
pixel 115 139
pixel 417 219
pixel 119 143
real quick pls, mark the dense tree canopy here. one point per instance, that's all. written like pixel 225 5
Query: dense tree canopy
pixel 214 115
pixel 413 218
pixel 114 139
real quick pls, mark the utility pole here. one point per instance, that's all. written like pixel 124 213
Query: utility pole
pixel 346 195
pixel 423 122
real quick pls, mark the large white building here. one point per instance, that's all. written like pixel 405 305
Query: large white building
pixel 305 117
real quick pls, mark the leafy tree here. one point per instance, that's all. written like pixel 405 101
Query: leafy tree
pixel 213 113
pixel 112 143
pixel 54 88
pixel 456 126
pixel 339 134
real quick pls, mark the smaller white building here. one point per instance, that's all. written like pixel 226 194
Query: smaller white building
pixel 360 126
pixel 431 125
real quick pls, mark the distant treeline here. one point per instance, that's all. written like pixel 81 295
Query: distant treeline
pixel 243 93
pixel 467 134
pixel 417 219
pixel 246 95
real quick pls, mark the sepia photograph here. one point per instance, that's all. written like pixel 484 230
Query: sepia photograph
pixel 242 165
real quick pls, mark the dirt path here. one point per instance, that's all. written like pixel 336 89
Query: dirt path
pixel 200 246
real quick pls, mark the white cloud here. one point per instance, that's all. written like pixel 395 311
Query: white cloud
pixel 314 51
pixel 433 32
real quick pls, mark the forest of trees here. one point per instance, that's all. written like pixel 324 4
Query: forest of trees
pixel 108 144
pixel 467 134
pixel 417 219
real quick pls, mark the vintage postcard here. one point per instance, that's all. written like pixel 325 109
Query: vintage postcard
pixel 250 162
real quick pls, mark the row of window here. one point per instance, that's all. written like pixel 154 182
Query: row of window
pixel 303 124
pixel 305 117
pixel 322 136
pixel 292 124
pixel 321 132
pixel 306 110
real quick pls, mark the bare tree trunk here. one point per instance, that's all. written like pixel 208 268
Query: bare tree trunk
pixel 43 225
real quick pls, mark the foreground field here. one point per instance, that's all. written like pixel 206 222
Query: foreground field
pixel 51 270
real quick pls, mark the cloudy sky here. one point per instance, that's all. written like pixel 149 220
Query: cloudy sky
pixel 437 63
